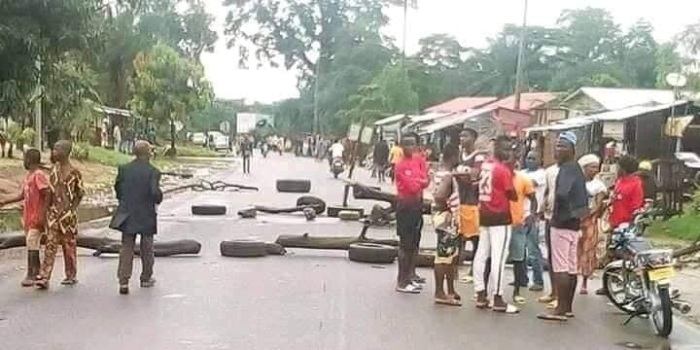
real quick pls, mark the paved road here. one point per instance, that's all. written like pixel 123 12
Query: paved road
pixel 306 300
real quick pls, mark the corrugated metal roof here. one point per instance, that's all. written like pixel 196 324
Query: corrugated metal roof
pixel 390 120
pixel 110 110
pixel 615 99
pixel 630 112
pixel 566 124
pixel 455 119
pixel 528 100
pixel 461 104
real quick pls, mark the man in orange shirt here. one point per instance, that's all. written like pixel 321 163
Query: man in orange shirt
pixel 522 211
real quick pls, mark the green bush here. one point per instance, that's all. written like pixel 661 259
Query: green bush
pixel 80 152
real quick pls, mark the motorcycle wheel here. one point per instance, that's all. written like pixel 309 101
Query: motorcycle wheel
pixel 615 286
pixel 662 318
pixel 335 175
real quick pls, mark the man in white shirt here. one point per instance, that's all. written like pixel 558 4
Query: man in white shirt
pixel 551 174
pixel 538 176
pixel 337 150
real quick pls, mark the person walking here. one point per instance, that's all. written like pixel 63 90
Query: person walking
pixel 588 244
pixel 35 194
pixel 137 187
pixel 246 153
pixel 570 206
pixel 538 176
pixel 380 157
pixel 411 180
pixel 66 192
pixel 496 191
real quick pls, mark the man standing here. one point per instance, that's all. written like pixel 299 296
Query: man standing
pixel 411 180
pixel 138 190
pixel 626 199
pixel 66 187
pixel 395 155
pixel 246 153
pixel 570 206
pixel 551 174
pixel 35 194
pixel 380 157
pixel 522 213
pixel 337 150
pixel 496 191
pixel 538 176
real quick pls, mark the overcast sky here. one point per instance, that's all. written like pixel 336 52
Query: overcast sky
pixel 471 21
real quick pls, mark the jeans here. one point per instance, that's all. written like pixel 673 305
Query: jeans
pixel 534 254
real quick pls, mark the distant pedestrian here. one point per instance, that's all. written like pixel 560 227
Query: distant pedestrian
pixel 138 190
pixel 496 191
pixel 588 244
pixel 66 186
pixel 395 155
pixel 380 157
pixel 538 176
pixel 35 194
pixel 523 212
pixel 411 180
pixel 570 206
pixel 446 221
pixel 117 138
pixel 246 153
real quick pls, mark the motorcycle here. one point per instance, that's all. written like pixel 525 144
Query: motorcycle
pixel 337 166
pixel 638 282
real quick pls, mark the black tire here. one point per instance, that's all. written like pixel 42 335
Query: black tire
pixel 243 249
pixel 608 276
pixel 333 210
pixel 372 253
pixel 208 210
pixel 248 213
pixel 294 186
pixel 275 249
pixel 318 204
pixel 662 320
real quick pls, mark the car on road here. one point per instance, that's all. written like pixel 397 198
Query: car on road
pixel 198 138
pixel 218 141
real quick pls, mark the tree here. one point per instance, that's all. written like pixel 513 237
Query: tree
pixel 638 54
pixel 168 87
pixel 395 87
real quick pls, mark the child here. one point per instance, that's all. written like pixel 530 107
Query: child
pixel 448 240
pixel 35 192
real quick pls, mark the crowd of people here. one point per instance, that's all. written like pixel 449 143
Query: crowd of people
pixel 497 201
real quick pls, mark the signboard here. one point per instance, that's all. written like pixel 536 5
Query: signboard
pixel 354 133
pixel 247 122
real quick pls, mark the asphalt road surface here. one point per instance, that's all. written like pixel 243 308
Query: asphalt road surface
pixel 305 300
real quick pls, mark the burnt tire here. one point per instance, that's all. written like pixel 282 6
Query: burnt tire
pixel 243 249
pixel 275 249
pixel 318 204
pixel 372 253
pixel 334 210
pixel 347 215
pixel 293 186
pixel 208 210
pixel 248 213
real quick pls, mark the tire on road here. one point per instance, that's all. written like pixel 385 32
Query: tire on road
pixel 347 215
pixel 334 210
pixel 275 249
pixel 293 186
pixel 318 204
pixel 372 253
pixel 208 210
pixel 248 213
pixel 243 249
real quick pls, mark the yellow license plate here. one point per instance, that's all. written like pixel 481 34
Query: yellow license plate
pixel 663 273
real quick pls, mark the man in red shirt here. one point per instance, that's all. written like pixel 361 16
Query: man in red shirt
pixel 411 174
pixel 496 191
pixel 627 198
pixel 35 193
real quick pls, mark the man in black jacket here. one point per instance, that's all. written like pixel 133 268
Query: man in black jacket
pixel 138 191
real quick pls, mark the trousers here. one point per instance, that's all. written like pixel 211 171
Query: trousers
pixel 69 245
pixel 493 243
pixel 126 257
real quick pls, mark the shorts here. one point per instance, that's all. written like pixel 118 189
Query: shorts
pixel 518 242
pixel 468 220
pixel 564 250
pixel 409 223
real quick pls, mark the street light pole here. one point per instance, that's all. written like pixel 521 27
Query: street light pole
pixel 521 50
pixel 317 78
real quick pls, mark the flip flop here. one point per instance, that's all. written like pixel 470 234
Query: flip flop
pixel 448 302
pixel 551 317
pixel 569 315
pixel 482 305
pixel 466 279
pixel 456 297
pixel 508 309
pixel 519 299
pixel 553 304
pixel 546 299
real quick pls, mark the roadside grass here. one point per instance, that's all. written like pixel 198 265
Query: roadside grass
pixel 10 220
pixel 195 151
pixel 685 227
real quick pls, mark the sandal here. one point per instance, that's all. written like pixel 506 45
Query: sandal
pixel 507 309
pixel 552 317
pixel 456 296
pixel 569 315
pixel 69 281
pixel 553 305
pixel 546 299
pixel 42 284
pixel 448 301
pixel 519 299
pixel 482 305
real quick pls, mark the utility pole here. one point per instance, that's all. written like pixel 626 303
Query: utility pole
pixel 317 78
pixel 38 127
pixel 405 30
pixel 519 69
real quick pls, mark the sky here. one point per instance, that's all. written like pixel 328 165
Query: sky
pixel 470 21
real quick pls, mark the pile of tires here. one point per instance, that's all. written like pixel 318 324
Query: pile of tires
pixel 372 253
pixel 208 210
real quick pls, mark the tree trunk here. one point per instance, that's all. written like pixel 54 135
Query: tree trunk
pixel 691 249
pixel 173 151
pixel 102 245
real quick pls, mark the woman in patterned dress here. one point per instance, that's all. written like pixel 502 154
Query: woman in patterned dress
pixel 588 243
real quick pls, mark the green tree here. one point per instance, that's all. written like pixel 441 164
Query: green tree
pixel 168 87
pixel 395 86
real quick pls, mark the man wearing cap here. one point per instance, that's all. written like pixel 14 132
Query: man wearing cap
pixel 570 206
pixel 648 182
